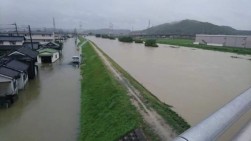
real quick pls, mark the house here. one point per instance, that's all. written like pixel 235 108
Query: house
pixel 11 40
pixel 53 45
pixel 22 68
pixel 33 46
pixel 47 55
pixel 27 56
pixel 241 41
pixel 8 82
pixel 41 37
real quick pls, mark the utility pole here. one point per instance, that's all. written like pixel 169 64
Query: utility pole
pixel 54 24
pixel 80 27
pixel 16 28
pixel 54 29
pixel 30 36
pixel 111 28
pixel 149 24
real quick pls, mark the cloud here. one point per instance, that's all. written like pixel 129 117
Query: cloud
pixel 124 13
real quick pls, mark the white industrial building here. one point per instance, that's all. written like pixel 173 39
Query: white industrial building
pixel 241 41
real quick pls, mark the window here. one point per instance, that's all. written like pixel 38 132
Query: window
pixel 13 43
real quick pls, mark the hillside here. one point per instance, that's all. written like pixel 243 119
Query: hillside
pixel 192 27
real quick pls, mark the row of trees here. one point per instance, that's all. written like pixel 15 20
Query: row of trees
pixel 105 36
pixel 129 39
pixel 148 42
pixel 151 43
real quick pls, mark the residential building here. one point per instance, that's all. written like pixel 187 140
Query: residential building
pixel 8 82
pixel 53 45
pixel 11 40
pixel 22 68
pixel 47 55
pixel 33 46
pixel 27 56
pixel 41 37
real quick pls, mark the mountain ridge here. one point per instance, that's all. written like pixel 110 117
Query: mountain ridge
pixel 192 27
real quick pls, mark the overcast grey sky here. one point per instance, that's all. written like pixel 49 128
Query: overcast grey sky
pixel 95 14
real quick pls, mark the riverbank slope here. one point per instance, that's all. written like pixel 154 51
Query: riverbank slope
pixel 146 104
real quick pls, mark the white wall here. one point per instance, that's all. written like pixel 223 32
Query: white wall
pixel 14 90
pixel 55 57
pixel 8 88
pixel 225 40
pixel 248 42
pixel 22 82
pixel 42 39
pixel 39 59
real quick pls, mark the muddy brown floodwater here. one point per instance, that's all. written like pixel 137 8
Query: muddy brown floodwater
pixel 48 108
pixel 195 82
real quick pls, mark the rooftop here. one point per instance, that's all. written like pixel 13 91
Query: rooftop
pixel 51 44
pixel 28 52
pixel 12 38
pixel 50 50
pixel 9 72
pixel 17 65
pixel 10 47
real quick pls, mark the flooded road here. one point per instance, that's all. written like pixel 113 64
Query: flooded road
pixel 195 82
pixel 48 108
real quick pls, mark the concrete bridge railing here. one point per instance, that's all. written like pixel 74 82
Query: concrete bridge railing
pixel 216 124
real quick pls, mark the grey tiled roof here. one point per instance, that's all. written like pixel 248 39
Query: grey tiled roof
pixel 9 72
pixel 9 47
pixel 36 45
pixel 12 38
pixel 17 65
pixel 29 52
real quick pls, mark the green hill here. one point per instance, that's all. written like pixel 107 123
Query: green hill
pixel 192 27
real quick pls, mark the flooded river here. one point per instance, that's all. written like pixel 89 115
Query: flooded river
pixel 48 108
pixel 195 82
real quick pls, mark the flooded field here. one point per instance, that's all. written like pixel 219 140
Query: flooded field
pixel 195 82
pixel 48 108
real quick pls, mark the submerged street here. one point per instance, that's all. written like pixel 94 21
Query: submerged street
pixel 48 107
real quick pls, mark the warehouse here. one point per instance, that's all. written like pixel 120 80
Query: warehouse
pixel 241 41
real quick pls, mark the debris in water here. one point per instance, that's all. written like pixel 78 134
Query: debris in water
pixel 236 57
pixel 174 47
